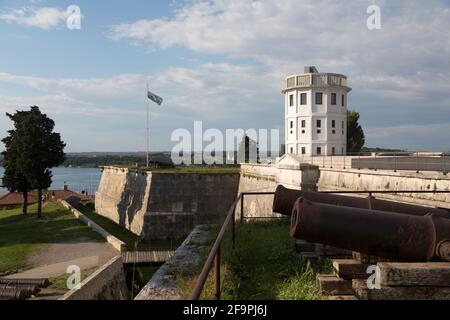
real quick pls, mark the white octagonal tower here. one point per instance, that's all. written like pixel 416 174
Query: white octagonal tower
pixel 316 113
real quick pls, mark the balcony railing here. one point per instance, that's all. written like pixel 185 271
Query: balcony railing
pixel 318 79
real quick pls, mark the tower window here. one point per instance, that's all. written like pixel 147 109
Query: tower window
pixel 333 151
pixel 342 124
pixel 303 98
pixel 333 123
pixel 319 123
pixel 292 150
pixel 319 98
pixel 291 124
pixel 303 150
pixel 343 100
pixel 291 100
pixel 333 99
pixel 319 150
pixel 303 123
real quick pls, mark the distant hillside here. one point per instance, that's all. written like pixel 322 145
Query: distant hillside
pixel 378 149
pixel 96 159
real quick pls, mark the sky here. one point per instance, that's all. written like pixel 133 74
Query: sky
pixel 224 63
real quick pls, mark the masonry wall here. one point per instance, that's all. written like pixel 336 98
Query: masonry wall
pixel 354 179
pixel 123 196
pixel 265 178
pixel 164 205
pixel 107 283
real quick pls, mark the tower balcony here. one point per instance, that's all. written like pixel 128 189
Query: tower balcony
pixel 316 80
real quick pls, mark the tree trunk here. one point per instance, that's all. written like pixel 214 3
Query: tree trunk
pixel 25 202
pixel 39 203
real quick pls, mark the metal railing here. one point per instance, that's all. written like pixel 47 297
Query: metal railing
pixel 214 254
pixel 394 161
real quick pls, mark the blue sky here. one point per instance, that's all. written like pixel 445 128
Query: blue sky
pixel 222 62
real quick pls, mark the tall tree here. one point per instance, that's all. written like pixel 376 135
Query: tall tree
pixel 355 133
pixel 38 149
pixel 13 179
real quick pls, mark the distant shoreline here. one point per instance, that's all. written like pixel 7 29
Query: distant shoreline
pixel 76 178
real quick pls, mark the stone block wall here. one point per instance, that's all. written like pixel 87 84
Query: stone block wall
pixel 162 205
pixel 107 283
pixel 354 179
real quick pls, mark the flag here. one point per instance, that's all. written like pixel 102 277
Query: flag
pixel 154 98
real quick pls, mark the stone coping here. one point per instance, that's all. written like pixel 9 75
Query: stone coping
pixel 116 243
pixel 184 264
pixel 91 286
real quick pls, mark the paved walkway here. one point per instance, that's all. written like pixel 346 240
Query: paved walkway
pixel 55 259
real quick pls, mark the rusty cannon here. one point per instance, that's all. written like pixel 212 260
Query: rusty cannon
pixel 285 198
pixel 380 233
pixel 14 293
pixel 40 283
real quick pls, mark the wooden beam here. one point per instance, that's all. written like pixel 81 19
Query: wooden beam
pixel 399 293
pixel 342 297
pixel 432 274
pixel 350 269
pixel 332 285
pixel 328 251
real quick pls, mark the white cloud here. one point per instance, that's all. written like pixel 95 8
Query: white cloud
pixel 44 18
pixel 220 90
pixel 399 73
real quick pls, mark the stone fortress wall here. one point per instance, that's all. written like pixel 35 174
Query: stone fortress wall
pixel 169 205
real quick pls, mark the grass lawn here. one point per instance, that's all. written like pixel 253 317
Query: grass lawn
pixel 60 282
pixel 21 236
pixel 263 266
pixel 131 240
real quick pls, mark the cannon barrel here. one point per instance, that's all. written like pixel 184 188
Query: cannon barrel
pixel 41 283
pixel 13 293
pixel 285 198
pixel 28 288
pixel 383 234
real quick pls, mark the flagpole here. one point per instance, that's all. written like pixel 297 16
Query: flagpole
pixel 148 129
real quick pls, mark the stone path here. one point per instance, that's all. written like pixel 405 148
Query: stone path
pixel 54 260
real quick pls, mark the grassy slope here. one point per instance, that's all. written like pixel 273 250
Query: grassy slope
pixel 60 282
pixel 264 266
pixel 132 241
pixel 21 236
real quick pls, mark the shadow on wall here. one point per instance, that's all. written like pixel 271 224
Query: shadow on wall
pixel 132 198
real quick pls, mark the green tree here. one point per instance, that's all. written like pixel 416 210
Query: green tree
pixel 37 149
pixel 13 179
pixel 355 133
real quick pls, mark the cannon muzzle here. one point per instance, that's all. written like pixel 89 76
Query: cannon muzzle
pixel 380 233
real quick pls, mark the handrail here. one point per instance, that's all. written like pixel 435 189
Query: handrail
pixel 214 254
